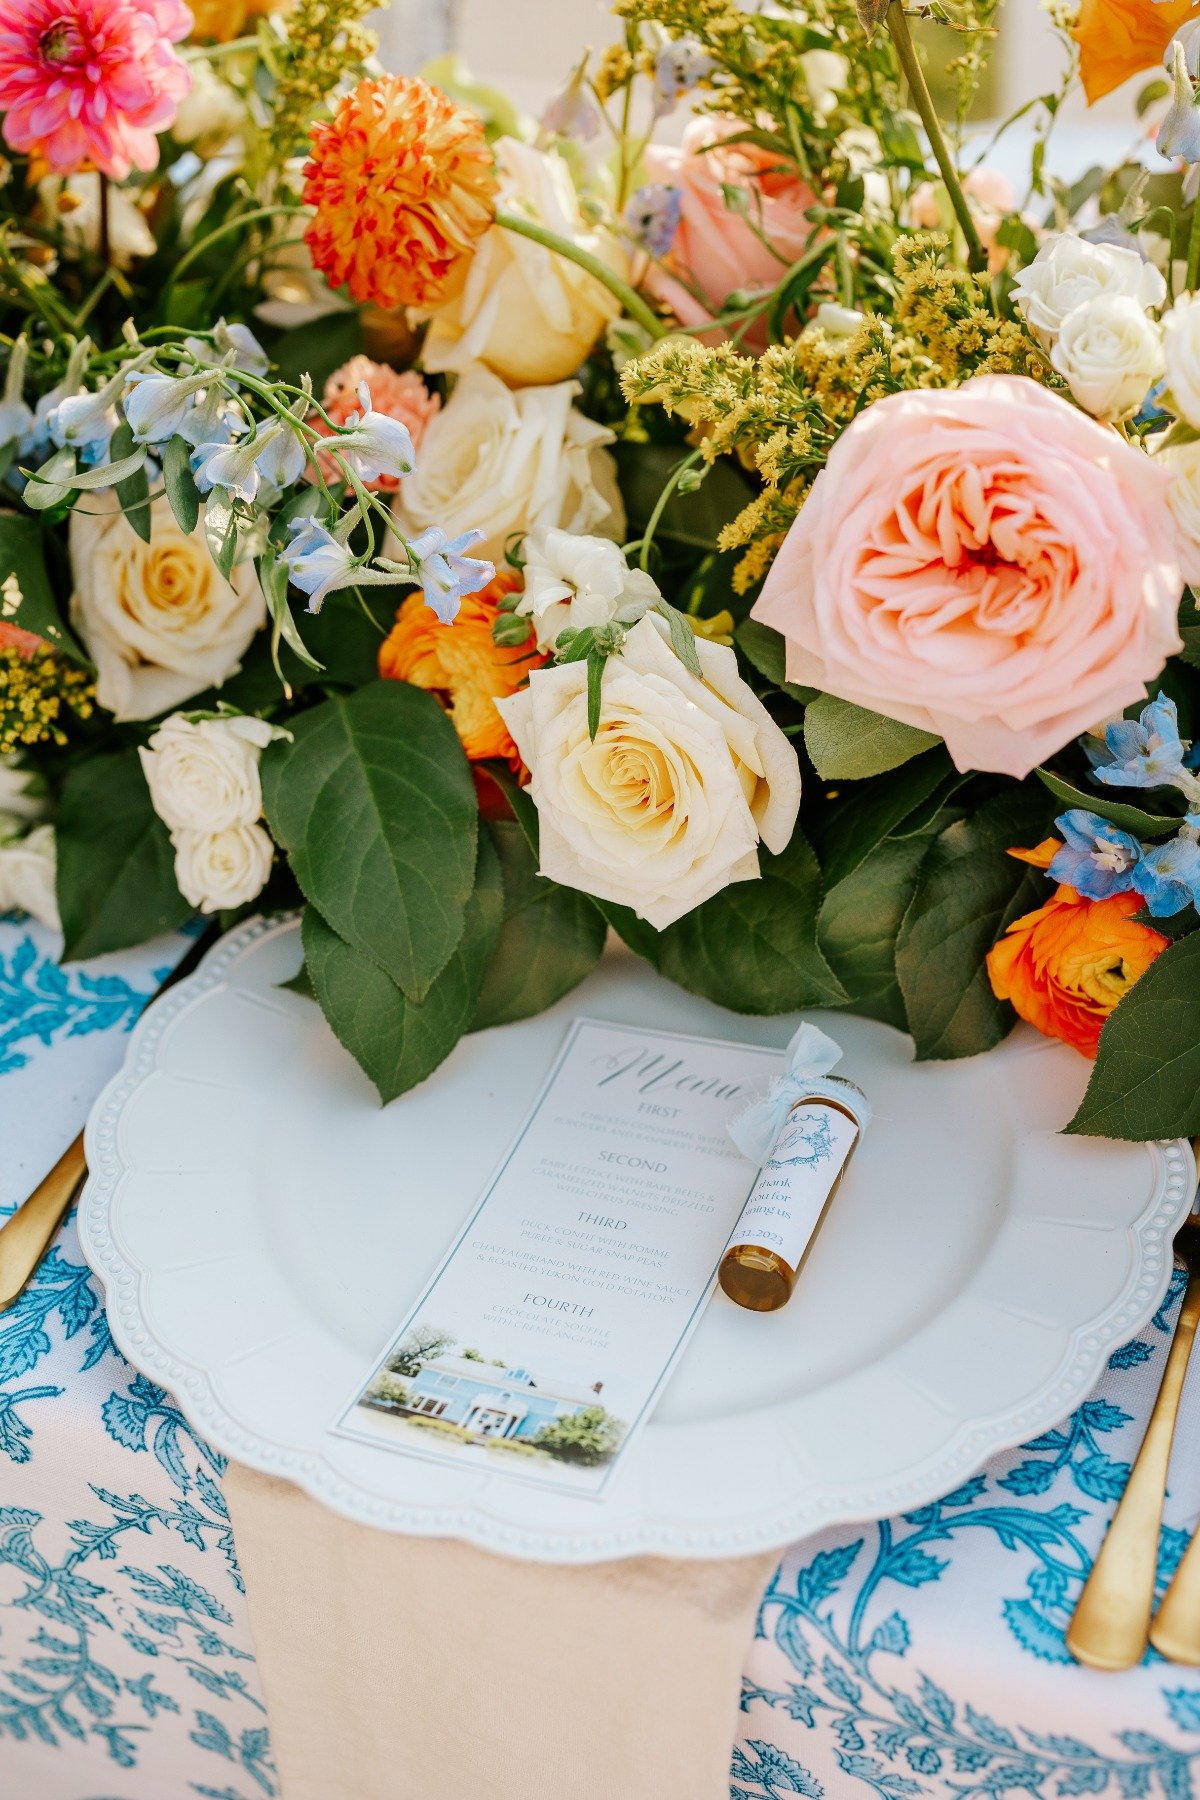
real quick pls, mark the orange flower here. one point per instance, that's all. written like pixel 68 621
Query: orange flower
pixel 1065 966
pixel 1117 38
pixel 403 185
pixel 462 665
pixel 220 20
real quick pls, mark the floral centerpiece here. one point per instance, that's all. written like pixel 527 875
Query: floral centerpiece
pixel 721 511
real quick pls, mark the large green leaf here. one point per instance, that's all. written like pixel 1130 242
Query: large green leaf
pixel 551 937
pixel 374 803
pixel 691 521
pixel 1128 818
pixel 967 892
pixel 1146 1081
pixel 342 637
pixel 849 743
pixel 116 867
pixel 395 1040
pixel 766 649
pixel 861 919
pixel 26 596
pixel 319 347
pixel 853 824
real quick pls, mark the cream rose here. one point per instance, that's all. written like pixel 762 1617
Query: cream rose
pixel 572 582
pixel 27 871
pixel 509 462
pixel 22 792
pixel 160 621
pixel 530 314
pixel 1181 348
pixel 203 775
pixel 1068 270
pixel 218 870
pixel 1110 355
pixel 1182 462
pixel 684 779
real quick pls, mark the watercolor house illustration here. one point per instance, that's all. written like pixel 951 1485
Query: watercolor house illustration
pixel 490 1401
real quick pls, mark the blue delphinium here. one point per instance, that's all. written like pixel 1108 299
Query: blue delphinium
pixel 1096 859
pixel 652 216
pixel 1168 875
pixel 1145 752
pixel 445 574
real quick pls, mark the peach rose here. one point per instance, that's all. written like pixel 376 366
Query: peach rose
pixel 715 248
pixel 985 563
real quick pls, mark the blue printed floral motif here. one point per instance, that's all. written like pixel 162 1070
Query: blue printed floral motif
pixel 812 1131
pixel 40 1001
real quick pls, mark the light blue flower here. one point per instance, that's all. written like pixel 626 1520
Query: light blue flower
pixel 373 443
pixel 157 405
pixel 316 561
pixel 572 112
pixel 273 453
pixel 16 416
pixel 1144 752
pixel 652 216
pixel 85 422
pixel 214 418
pixel 1179 133
pixel 35 445
pixel 233 345
pixel 445 574
pixel 1096 859
pixel 1168 876
pixel 677 69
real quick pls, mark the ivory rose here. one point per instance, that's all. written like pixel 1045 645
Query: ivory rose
pixel 218 870
pixel 716 249
pixel 528 313
pixel 159 620
pixel 203 773
pixel 1068 270
pixel 27 871
pixel 507 462
pixel 983 562
pixel 685 777
pixel 1110 354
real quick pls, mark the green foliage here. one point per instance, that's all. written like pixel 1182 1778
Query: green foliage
pixel 422 1343
pixel 1129 818
pixel 590 1436
pixel 133 494
pixel 1146 1078
pixel 26 594
pixel 765 649
pixel 551 937
pixel 690 521
pixel 116 868
pixel 374 804
pixel 849 743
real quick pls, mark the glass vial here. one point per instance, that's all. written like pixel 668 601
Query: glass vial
pixel 788 1202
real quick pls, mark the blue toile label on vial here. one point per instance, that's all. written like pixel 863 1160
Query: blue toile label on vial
pixel 787 1200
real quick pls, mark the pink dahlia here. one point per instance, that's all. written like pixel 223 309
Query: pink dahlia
pixel 404 397
pixel 91 81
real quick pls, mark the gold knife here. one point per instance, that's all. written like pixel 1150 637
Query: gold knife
pixel 25 1237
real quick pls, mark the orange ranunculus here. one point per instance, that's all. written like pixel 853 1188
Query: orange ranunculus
pixel 463 665
pixel 1118 38
pixel 1065 965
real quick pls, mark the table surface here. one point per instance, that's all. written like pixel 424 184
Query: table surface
pixel 921 1655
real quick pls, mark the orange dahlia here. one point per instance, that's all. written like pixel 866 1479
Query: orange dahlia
pixel 463 665
pixel 403 185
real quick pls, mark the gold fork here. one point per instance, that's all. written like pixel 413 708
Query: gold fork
pixel 1111 1626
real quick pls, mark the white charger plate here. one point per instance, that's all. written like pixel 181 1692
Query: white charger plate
pixel 261 1223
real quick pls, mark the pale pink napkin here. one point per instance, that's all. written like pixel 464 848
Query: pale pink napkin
pixel 405 1668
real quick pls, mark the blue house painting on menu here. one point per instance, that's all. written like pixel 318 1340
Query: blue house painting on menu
pixel 491 1401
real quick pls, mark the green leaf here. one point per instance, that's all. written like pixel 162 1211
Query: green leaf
pixel 1129 818
pixel 861 919
pixel 691 521
pixel 374 803
pixel 318 348
pixel 766 650
pixel 180 483
pixel 859 820
pixel 595 682
pixel 398 1041
pixel 26 596
pixel 273 579
pixel 220 533
pixel 551 937
pixel 969 890
pixel 683 639
pixel 134 492
pixel 849 743
pixel 1146 1080
pixel 116 867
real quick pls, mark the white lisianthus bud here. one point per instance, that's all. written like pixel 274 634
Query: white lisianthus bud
pixel 1068 270
pixel 1110 354
pixel 203 775
pixel 1181 348
pixel 218 870
pixel 27 871
pixel 573 581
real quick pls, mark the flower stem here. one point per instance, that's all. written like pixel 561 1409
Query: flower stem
pixel 105 223
pixel 1193 256
pixel 629 297
pixel 897 24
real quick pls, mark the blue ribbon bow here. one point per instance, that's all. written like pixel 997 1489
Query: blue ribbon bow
pixel 811 1055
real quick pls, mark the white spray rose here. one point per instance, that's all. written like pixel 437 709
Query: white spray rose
pixel 572 582
pixel 1068 270
pixel 74 207
pixel 209 115
pixel 218 870
pixel 511 462
pixel 1110 354
pixel 685 776
pixel 1181 347
pixel 528 313
pixel 203 775
pixel 27 871
pixel 159 620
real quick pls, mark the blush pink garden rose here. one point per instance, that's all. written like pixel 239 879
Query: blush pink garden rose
pixel 986 563
pixel 91 82
pixel 715 249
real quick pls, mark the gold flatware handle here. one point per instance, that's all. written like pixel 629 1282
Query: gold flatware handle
pixel 1111 1626
pixel 1175 1632
pixel 24 1237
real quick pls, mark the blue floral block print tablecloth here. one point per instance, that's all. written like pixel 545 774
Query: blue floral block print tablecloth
pixel 923 1655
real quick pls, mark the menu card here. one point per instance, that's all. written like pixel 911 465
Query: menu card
pixel 542 1341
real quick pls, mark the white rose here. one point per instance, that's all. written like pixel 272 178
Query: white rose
pixel 511 462
pixel 1183 498
pixel 27 872
pixel 22 791
pixel 74 206
pixel 159 620
pixel 685 777
pixel 209 115
pixel 218 870
pixel 1110 354
pixel 1181 347
pixel 572 582
pixel 204 776
pixel 530 314
pixel 1068 270
pixel 826 73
